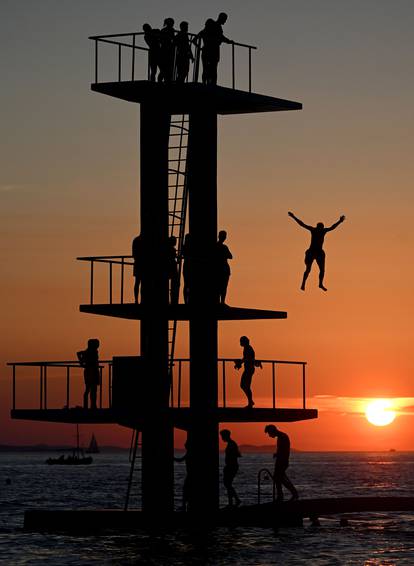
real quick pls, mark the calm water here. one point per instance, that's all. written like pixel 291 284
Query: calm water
pixel 370 539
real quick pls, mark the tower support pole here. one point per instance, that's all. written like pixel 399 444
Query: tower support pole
pixel 203 433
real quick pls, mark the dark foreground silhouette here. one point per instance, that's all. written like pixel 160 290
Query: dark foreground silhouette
pixel 89 360
pixel 231 467
pixel 222 267
pixel 315 251
pixel 281 462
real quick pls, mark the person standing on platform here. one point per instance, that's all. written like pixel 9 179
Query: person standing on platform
pixel 138 255
pixel 249 363
pixel 212 36
pixel 167 35
pixel 152 39
pixel 222 267
pixel 315 251
pixel 281 462
pixel 173 270
pixel 231 466
pixel 89 360
pixel 183 53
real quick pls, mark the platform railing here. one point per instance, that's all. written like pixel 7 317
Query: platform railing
pixel 68 372
pixel 118 268
pixel 268 373
pixel 68 375
pixel 265 474
pixel 128 46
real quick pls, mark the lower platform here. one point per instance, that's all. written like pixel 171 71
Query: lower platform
pixel 183 312
pixel 181 418
pixel 273 515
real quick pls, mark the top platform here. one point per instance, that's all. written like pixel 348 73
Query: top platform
pixel 187 98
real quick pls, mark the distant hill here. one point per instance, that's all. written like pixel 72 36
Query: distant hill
pixel 51 448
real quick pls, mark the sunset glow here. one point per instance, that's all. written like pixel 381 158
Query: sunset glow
pixel 380 412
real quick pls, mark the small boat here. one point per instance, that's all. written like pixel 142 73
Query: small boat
pixel 77 458
pixel 93 446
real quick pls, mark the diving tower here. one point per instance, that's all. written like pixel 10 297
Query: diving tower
pixel 178 157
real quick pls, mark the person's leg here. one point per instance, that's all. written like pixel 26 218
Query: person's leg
pixel 245 384
pixel 289 485
pixel 277 478
pixel 320 260
pixel 86 396
pixel 93 391
pixel 308 263
pixel 224 285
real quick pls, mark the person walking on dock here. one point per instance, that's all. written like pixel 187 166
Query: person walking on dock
pixel 231 466
pixel 249 363
pixel 89 360
pixel 152 39
pixel 315 251
pixel 173 270
pixel 183 53
pixel 138 255
pixel 281 462
pixel 222 267
pixel 166 63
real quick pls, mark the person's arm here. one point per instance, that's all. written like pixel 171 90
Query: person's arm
pixel 337 223
pixel 81 358
pixel 228 254
pixel 299 221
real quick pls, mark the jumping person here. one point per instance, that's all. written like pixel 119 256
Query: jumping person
pixel 249 363
pixel 281 462
pixel 222 267
pixel 315 251
pixel 89 360
pixel 231 466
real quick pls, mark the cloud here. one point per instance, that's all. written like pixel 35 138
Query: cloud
pixel 357 405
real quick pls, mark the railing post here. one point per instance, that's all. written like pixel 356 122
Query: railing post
pixel 274 384
pixel 67 386
pixel 304 385
pixel 122 278
pixel 100 387
pixel 110 385
pixel 119 62
pixel 223 369
pixel 110 282
pixel 233 81
pixel 250 69
pixel 148 67
pixel 41 387
pixel 133 57
pixel 172 383
pixel 45 386
pixel 14 387
pixel 179 385
pixel 91 289
pixel 96 60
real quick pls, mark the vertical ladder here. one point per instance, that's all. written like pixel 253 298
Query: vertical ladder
pixel 133 451
pixel 177 203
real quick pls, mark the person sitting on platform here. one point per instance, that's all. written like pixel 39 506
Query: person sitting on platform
pixel 231 466
pixel 173 270
pixel 281 462
pixel 137 254
pixel 152 39
pixel 315 250
pixel 250 364
pixel 183 53
pixel 222 267
pixel 166 62
pixel 89 360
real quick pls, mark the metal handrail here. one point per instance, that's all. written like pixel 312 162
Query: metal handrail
pixel 265 474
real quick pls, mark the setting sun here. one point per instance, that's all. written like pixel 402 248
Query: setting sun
pixel 380 412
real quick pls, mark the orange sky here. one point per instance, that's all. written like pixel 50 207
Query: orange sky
pixel 69 187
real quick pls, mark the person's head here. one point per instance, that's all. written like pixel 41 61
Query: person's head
pixel 222 235
pixel 222 18
pixel 184 26
pixel 147 28
pixel 244 341
pixel 169 23
pixel 93 343
pixel 172 240
pixel 225 434
pixel 271 430
pixel 209 23
pixel 320 225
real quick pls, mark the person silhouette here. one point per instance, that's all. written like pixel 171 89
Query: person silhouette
pixel 89 360
pixel 249 363
pixel 186 254
pixel 183 53
pixel 281 462
pixel 222 267
pixel 231 466
pixel 137 254
pixel 152 39
pixel 212 36
pixel 166 62
pixel 173 270
pixel 315 251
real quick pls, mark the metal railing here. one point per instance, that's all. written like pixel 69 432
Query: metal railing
pixel 128 45
pixel 115 263
pixel 70 373
pixel 265 474
pixel 67 372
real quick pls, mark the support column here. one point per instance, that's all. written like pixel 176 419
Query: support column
pixel 203 432
pixel 157 434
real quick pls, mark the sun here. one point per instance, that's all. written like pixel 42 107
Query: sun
pixel 380 412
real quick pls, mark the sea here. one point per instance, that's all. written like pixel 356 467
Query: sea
pixel 369 539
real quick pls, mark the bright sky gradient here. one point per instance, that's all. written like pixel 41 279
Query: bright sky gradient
pixel 69 181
